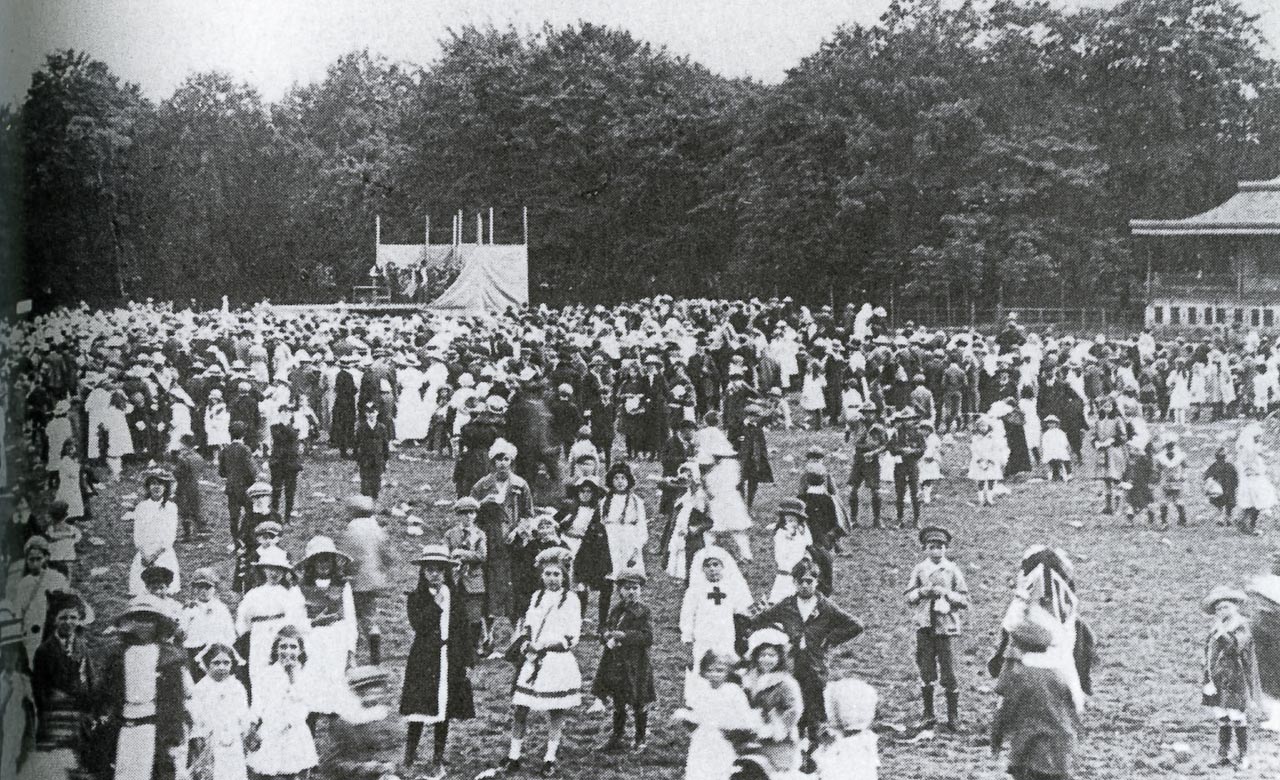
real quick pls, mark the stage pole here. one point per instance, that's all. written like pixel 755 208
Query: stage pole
pixel 426 232
pixel 479 229
pixel 377 229
pixel 491 226
pixel 524 220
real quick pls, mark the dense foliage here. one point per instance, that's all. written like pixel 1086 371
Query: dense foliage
pixel 946 157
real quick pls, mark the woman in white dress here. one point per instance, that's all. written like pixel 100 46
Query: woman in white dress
pixel 217 420
pixel 1256 494
pixel 265 609
pixel 624 521
pixel 413 417
pixel 549 679
pixel 155 529
pixel 179 417
pixel 1179 392
pixel 278 715
pixel 115 422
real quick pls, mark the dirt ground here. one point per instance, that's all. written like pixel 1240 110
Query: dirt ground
pixel 1140 590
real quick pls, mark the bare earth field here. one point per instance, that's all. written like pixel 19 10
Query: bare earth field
pixel 1140 591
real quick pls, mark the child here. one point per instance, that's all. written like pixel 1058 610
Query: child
pixel 717 706
pixel 813 394
pixel 779 410
pixel 753 453
pixel 938 593
pixel 436 687
pixel 1220 482
pixel 624 520
pixel 821 510
pixel 987 452
pixel 1231 685
pixel 331 613
pixel 220 716
pixel 1139 476
pixel 1055 449
pixel 930 461
pixel 265 610
pixel 690 522
pixel 851 751
pixel 1031 428
pixel 1037 714
pixel 624 674
pixel 281 704
pixel 63 537
pixel 155 529
pixel 467 544
pixel 549 679
pixel 791 541
pixel 304 422
pixel 206 622
pixel 1170 463
pixel 217 421
pixel 717 595
pixel 852 401
pixel 188 466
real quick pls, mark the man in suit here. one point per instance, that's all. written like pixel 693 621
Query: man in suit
pixel 236 467
pixel 286 461
pixel 372 448
pixel 814 624
pixel 343 425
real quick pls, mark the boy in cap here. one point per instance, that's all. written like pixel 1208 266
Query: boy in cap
pixel 468 545
pixel 907 445
pixel 206 620
pixel 937 592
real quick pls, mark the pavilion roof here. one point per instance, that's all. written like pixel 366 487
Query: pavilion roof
pixel 1253 211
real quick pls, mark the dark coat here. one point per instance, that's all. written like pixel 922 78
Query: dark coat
pixel 342 426
pixel 373 446
pixel 64 686
pixel 475 439
pixel 186 489
pixel 1037 719
pixel 753 453
pixel 827 626
pixel 171 712
pixel 421 693
pixel 592 565
pixel 286 454
pixel 624 674
pixel 236 466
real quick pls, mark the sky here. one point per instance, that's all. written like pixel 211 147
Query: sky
pixel 273 44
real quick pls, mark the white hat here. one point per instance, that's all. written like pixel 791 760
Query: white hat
pixel 502 447
pixel 273 556
pixel 321 545
pixel 850 704
pixel 767 636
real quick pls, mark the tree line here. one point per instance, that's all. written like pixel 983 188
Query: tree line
pixel 944 157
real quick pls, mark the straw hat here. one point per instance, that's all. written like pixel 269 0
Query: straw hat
pixel 273 556
pixel 435 553
pixel 1222 593
pixel 767 637
pixel 321 545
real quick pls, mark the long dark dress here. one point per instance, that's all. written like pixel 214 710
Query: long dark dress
pixel 342 427
pixel 422 678
pixel 475 439
pixel 1015 436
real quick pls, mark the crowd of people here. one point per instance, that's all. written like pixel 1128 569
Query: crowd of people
pixel 272 667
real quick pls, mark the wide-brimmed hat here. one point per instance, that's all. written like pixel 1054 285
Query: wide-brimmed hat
pixel 496 404
pixel 435 553
pixel 151 606
pixel 586 480
pixel 157 474
pixel 157 574
pixel 466 504
pixel 321 545
pixel 59 600
pixel 502 447
pixel 273 556
pixel 767 637
pixel 1222 593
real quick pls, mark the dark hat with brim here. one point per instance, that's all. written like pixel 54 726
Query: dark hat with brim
pixel 934 533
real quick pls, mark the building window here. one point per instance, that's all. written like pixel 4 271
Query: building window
pixel 1239 316
pixel 1208 315
pixel 1268 317
pixel 1253 317
pixel 1193 315
pixel 1175 315
pixel 1222 316
pixel 1157 313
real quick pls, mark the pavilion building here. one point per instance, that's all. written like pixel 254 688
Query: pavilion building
pixel 1219 267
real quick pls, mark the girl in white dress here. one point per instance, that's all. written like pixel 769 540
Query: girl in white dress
pixel 987 453
pixel 278 716
pixel 624 521
pixel 930 462
pixel 115 422
pixel 179 417
pixel 717 592
pixel 267 608
pixel 155 529
pixel 220 717
pixel 69 476
pixel 791 540
pixel 714 705
pixel 1179 393
pixel 549 679
pixel 812 394
pixel 331 613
